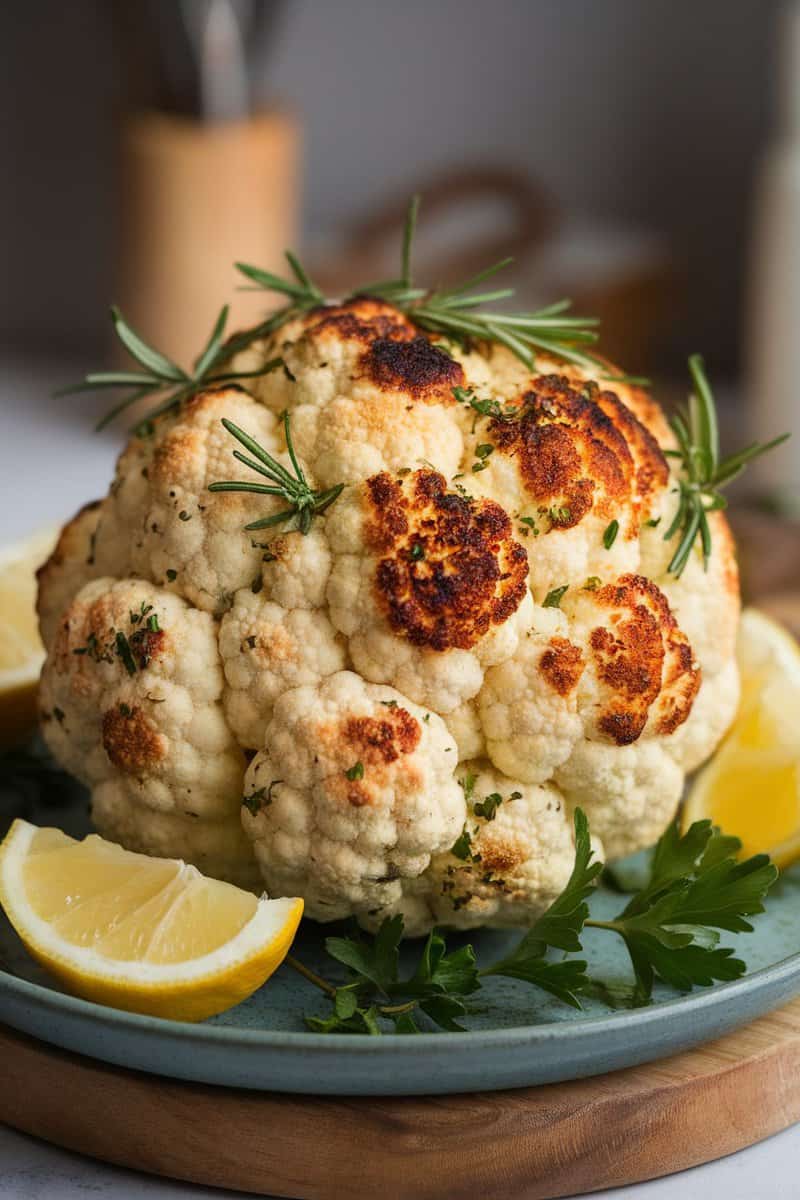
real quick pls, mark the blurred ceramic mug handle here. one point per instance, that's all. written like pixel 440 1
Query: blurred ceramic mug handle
pixel 374 240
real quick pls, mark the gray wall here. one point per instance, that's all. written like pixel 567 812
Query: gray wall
pixel 643 111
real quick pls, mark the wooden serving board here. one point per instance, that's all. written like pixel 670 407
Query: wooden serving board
pixel 537 1143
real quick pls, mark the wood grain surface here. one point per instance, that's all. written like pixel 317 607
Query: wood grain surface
pixel 559 1140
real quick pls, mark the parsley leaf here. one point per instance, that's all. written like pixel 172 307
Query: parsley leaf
pixel 696 887
pixel 554 597
pixel 435 988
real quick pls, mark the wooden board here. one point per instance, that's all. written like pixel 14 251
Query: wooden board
pixel 535 1143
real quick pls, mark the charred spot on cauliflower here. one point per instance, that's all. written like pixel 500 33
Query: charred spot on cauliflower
pixel 428 587
pixel 449 568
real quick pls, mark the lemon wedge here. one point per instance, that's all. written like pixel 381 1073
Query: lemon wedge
pixel 150 935
pixel 21 650
pixel 751 787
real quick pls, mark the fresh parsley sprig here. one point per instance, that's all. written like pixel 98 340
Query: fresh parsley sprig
pixel 704 473
pixel 670 928
pixel 696 887
pixel 304 502
pixel 162 378
pixel 436 988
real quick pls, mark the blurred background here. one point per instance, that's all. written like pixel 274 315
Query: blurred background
pixel 625 152
pixel 642 123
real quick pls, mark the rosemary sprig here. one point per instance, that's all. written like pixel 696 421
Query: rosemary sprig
pixel 705 474
pixel 456 311
pixel 162 378
pixel 301 294
pixel 304 503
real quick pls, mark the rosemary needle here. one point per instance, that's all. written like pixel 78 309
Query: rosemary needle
pixel 304 503
pixel 704 473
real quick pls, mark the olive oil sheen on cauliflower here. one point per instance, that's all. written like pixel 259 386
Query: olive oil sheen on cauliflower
pixel 477 634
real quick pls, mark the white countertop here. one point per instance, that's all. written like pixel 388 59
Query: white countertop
pixel 50 464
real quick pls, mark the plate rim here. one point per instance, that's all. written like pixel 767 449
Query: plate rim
pixel 46 998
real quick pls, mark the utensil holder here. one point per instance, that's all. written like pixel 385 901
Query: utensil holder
pixel 195 198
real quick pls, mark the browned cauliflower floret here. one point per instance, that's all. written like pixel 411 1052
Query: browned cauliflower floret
pixel 353 794
pixel 608 671
pixel 513 858
pixel 487 600
pixel 366 392
pixel 429 587
pixel 576 471
pixel 131 703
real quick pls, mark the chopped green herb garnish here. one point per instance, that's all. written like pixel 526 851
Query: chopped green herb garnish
pixel 462 846
pixel 488 806
pixel 124 651
pixel 356 771
pixel 610 534
pixel 553 598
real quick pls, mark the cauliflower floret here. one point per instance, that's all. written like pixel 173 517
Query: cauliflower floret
pixel 267 649
pixel 640 674
pixel 510 861
pixel 513 858
pixel 429 587
pixel 172 529
pixel 353 793
pixel 130 702
pixel 528 704
pixel 610 668
pixel 296 568
pixel 576 471
pixel 465 726
pixel 69 567
pixel 366 392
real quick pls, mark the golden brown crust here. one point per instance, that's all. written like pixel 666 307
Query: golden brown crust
pixel 416 367
pixel 642 657
pixel 580 451
pixel 362 319
pixel 500 854
pixel 449 568
pixel 562 665
pixel 383 739
pixel 371 750
pixel 652 471
pixel 131 740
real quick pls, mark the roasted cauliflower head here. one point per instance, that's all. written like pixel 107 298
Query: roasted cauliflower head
pixel 398 706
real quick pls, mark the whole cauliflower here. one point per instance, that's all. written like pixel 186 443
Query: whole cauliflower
pixel 398 710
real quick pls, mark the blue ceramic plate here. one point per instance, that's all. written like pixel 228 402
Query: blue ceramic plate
pixel 521 1038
